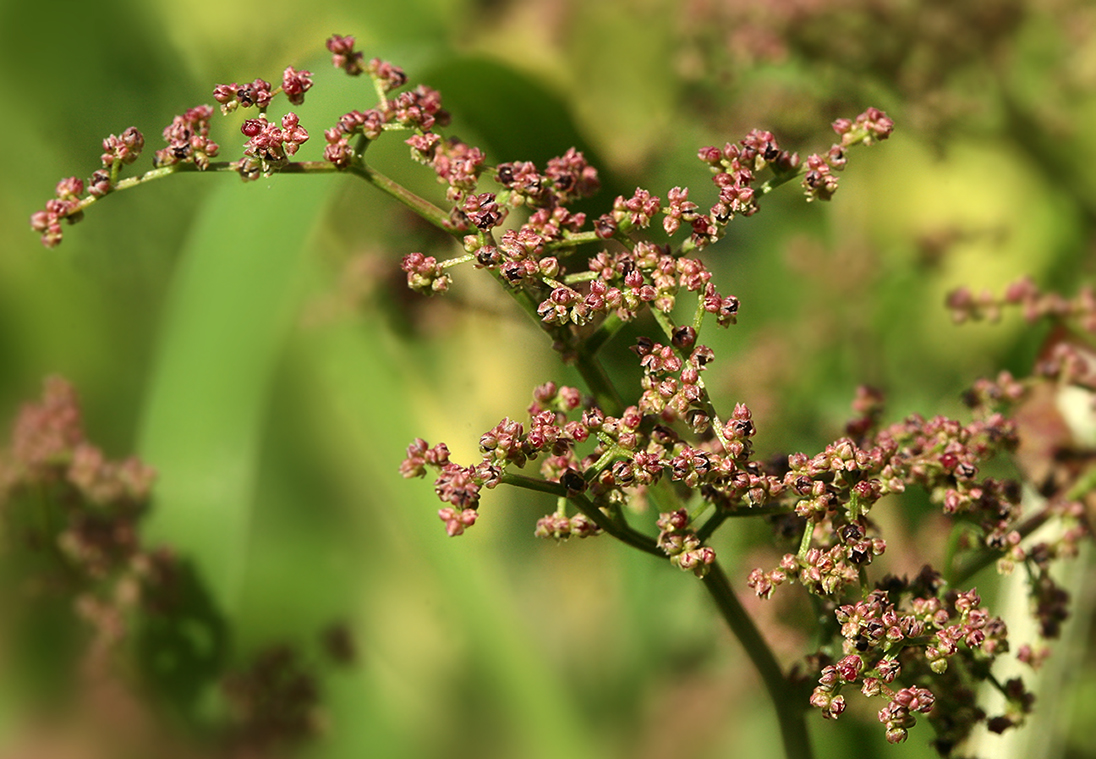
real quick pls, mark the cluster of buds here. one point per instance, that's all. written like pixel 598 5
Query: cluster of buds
pixel 1032 302
pixel 256 94
pixel 269 146
pixel 566 179
pixel 671 386
pixel 681 544
pixel 259 93
pixel 456 485
pixel 343 54
pixel 835 490
pixel 629 455
pixel 65 206
pixel 425 274
pixel 419 110
pixel 735 169
pixel 870 126
pixel 561 527
pixel 187 139
pixel 622 283
pixel 886 645
pixel 122 149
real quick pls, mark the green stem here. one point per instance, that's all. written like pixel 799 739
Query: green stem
pixel 790 711
pixel 618 529
pixel 419 205
pixel 986 556
pixel 573 239
pixel 598 382
pixel 604 332
pixel 805 541
pixel 773 182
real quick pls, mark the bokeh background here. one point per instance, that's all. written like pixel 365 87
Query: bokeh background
pixel 255 343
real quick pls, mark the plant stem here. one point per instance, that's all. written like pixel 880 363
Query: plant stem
pixel 790 713
pixel 618 529
pixel 600 386
pixel 419 205
pixel 979 560
pixel 604 332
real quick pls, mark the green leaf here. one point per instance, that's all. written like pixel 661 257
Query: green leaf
pixel 230 307
pixel 370 383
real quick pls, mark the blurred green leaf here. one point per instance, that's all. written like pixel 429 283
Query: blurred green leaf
pixel 229 309
pixel 366 379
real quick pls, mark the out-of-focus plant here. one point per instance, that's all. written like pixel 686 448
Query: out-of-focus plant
pixel 143 629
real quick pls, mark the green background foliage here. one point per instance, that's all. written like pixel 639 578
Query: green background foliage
pixel 254 343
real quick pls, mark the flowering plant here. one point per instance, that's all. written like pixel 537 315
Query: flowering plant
pixel 915 646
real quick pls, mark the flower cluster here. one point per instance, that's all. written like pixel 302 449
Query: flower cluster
pixel 1033 303
pixel 836 489
pixel 419 109
pixel 922 646
pixel 187 139
pixel 619 282
pixel 66 205
pixel 455 485
pixel 682 545
pixel 886 643
pixel 343 54
pixel 74 519
pixel 269 146
pixel 561 527
pixel 49 451
pixel 259 93
pixel 232 96
pixel 425 274
pixel 123 149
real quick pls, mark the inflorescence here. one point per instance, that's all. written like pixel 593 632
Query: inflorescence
pixel 915 644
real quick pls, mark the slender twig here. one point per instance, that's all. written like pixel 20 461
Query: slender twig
pixel 617 528
pixel 982 558
pixel 790 708
pixel 605 331
pixel 419 205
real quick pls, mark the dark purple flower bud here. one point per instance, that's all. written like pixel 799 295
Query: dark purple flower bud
pixel 684 337
pixel 573 481
pixel 605 226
